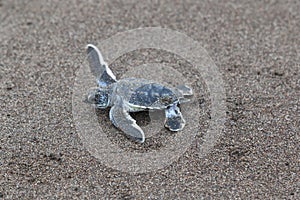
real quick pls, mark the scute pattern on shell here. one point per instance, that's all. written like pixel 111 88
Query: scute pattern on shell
pixel 152 94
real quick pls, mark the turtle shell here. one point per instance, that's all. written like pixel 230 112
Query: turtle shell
pixel 152 95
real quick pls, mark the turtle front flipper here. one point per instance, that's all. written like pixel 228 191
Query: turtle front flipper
pixel 121 119
pixel 99 67
pixel 174 120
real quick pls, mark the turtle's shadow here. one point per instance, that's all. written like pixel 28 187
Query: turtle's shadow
pixel 142 118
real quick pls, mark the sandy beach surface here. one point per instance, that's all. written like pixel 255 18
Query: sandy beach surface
pixel 254 44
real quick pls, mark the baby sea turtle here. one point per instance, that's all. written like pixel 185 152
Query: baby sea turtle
pixel 133 95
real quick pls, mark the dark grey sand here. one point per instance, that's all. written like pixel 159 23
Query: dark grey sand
pixel 254 44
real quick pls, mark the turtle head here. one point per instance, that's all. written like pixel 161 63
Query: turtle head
pixel 100 97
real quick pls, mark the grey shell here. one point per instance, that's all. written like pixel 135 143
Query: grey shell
pixel 142 93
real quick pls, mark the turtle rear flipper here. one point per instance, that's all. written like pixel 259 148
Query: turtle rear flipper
pixel 98 67
pixel 185 90
pixel 174 120
pixel 184 93
pixel 121 119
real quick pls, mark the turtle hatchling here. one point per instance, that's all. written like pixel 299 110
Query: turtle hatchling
pixel 133 95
